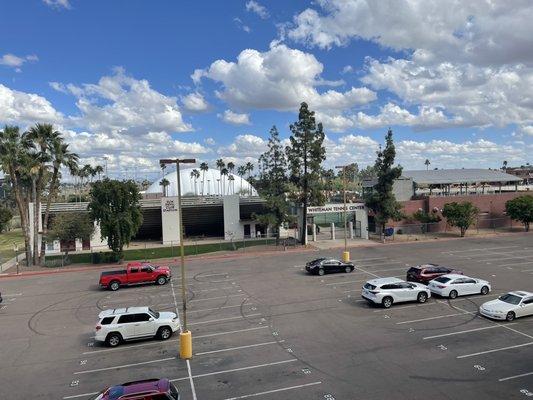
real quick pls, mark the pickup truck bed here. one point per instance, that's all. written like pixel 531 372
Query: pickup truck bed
pixel 119 272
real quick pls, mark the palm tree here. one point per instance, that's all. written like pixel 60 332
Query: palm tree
pixel 427 163
pixel 99 170
pixel 241 171
pixel 164 182
pixel 231 179
pixel 504 167
pixel 249 168
pixel 220 164
pixel 223 173
pixel 231 167
pixel 203 167
pixel 61 157
pixel 196 174
pixel 14 156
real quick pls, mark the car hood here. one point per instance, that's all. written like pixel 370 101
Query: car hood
pixel 497 305
pixel 167 315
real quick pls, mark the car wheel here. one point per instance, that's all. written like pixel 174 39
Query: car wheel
pixel 422 297
pixel 386 302
pixel 453 294
pixel 321 271
pixel 510 316
pixel 484 290
pixel 161 280
pixel 164 333
pixel 348 269
pixel 114 286
pixel 113 339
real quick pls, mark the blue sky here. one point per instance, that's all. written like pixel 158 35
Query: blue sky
pixel 118 80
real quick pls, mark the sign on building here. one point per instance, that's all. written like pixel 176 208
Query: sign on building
pixel 331 208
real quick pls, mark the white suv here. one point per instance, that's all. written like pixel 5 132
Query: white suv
pixel 120 324
pixel 386 291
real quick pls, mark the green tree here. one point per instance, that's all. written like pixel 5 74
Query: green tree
pixel 425 218
pixel 521 209
pixel 115 206
pixel 204 168
pixel 305 155
pixel 381 199
pixel 272 184
pixel 164 183
pixel 5 218
pixel 461 215
pixel 68 227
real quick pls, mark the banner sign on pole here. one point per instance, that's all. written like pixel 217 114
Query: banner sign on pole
pixel 331 208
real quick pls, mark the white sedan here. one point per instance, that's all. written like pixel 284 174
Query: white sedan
pixel 453 285
pixel 386 291
pixel 509 306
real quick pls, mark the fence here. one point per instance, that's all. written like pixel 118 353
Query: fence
pixel 420 231
pixel 149 250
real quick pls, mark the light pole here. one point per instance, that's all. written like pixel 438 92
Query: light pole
pixel 346 254
pixel 16 250
pixel 185 335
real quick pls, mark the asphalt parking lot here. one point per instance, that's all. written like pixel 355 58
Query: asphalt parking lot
pixel 264 328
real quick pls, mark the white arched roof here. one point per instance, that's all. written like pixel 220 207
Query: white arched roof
pixel 208 184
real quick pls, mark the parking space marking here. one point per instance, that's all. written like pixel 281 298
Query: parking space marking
pixel 217 308
pixel 217 274
pixel 431 318
pixel 225 319
pixel 89 371
pixel 515 377
pixel 239 347
pixel 214 289
pixel 80 395
pixel 218 297
pixel 274 391
pixel 369 273
pixel 230 332
pixel 236 369
pixel 12 295
pixel 370 259
pixel 513 264
pixel 461 332
pixel 345 283
pixel 452 252
pixel 410 306
pixel 495 350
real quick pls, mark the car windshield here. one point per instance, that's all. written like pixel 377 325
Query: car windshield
pixel 154 313
pixel 442 279
pixel 510 298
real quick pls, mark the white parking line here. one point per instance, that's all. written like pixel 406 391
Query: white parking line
pixel 225 319
pixel 495 350
pixel 369 273
pixel 236 369
pixel 219 297
pixel 207 275
pixel 89 371
pixel 274 391
pixel 239 347
pixel 172 340
pixel 431 318
pixel 12 295
pixel 480 249
pixel 217 308
pixel 345 283
pixel 461 332
pixel 214 289
pixel 80 395
pixel 377 264
pixel 402 307
pixel 513 264
pixel 515 377
pixel 369 259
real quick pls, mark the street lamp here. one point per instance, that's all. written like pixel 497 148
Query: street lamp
pixel 185 335
pixel 346 253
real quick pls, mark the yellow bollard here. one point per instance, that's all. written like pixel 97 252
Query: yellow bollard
pixel 186 345
pixel 345 256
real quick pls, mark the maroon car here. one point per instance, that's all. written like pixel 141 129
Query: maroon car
pixel 149 389
pixel 426 272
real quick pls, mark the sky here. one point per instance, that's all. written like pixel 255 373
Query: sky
pixel 137 81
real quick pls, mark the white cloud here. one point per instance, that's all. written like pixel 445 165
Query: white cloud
pixel 278 79
pixel 120 103
pixel 241 25
pixel 527 130
pixel 14 61
pixel 478 31
pixel 210 141
pixel 58 3
pixel 257 8
pixel 347 69
pixel 234 118
pixel 26 108
pixel 244 146
pixel 195 102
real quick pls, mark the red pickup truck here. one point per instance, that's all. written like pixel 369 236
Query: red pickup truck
pixel 134 274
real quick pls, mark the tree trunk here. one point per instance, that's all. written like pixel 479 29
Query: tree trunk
pixel 526 225
pixel 36 213
pixel 51 194
pixel 463 231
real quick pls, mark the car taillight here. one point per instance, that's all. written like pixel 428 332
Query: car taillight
pixel 98 327
pixel 373 291
pixel 441 286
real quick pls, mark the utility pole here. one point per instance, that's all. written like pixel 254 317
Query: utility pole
pixel 346 254
pixel 185 335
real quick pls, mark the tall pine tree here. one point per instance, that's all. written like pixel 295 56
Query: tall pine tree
pixel 272 184
pixel 381 199
pixel 305 155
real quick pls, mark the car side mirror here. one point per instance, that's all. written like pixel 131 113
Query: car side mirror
pixel 151 319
